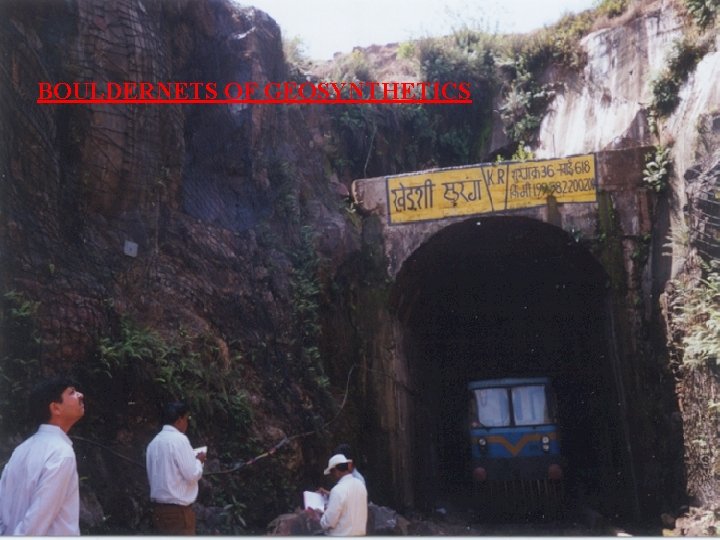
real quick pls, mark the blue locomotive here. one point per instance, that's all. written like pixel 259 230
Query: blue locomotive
pixel 516 461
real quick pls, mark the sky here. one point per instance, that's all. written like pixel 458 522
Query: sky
pixel 329 26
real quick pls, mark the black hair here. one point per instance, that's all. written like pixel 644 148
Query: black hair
pixel 343 449
pixel 43 394
pixel 342 467
pixel 172 411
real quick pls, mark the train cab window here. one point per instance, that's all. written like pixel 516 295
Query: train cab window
pixel 493 407
pixel 530 406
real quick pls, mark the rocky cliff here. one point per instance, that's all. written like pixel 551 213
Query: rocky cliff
pixel 161 251
pixel 609 104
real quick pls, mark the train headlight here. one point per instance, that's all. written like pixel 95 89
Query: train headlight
pixel 545 443
pixel 482 443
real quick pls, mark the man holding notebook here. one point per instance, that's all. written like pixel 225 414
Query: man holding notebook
pixel 174 470
pixel 346 512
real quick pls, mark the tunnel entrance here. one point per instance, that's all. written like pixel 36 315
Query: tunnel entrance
pixel 499 297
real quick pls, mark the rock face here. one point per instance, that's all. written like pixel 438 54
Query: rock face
pixel 104 176
pixel 184 219
pixel 605 106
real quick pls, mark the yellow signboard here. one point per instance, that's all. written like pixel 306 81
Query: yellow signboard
pixel 490 187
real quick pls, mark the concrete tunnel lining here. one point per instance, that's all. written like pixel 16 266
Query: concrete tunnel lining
pixel 501 296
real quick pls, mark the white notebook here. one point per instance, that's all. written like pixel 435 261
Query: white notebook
pixel 313 499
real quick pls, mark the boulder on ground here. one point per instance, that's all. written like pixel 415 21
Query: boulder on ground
pixel 298 523
pixel 382 521
pixel 385 521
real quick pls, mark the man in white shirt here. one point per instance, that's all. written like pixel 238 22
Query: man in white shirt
pixel 39 493
pixel 173 472
pixel 346 512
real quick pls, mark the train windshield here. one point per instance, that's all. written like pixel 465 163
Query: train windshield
pixel 530 407
pixel 523 405
pixel 492 407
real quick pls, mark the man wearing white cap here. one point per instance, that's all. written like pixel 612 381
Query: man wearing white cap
pixel 346 512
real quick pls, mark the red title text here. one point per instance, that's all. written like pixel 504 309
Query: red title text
pixel 251 92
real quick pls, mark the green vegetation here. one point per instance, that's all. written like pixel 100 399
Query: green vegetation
pixel 657 169
pixel 703 12
pixel 642 249
pixel 524 58
pixel 525 103
pixel 681 61
pixel 353 67
pixel 510 65
pixel 406 50
pixel 665 94
pixel 678 239
pixel 609 248
pixel 297 61
pixel 523 153
pixel 611 8
pixel 140 365
pixel 555 45
pixel 18 365
pixel 696 310
pixel 306 313
pixel 283 178
pixel 499 68
pixel 357 128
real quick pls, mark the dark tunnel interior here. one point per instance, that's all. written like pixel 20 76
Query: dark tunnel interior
pixel 507 297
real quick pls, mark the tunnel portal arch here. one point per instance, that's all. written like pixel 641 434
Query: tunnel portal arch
pixel 499 296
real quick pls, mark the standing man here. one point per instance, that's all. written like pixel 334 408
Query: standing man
pixel 173 472
pixel 39 493
pixel 346 512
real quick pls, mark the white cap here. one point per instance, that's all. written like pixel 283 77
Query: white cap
pixel 337 459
